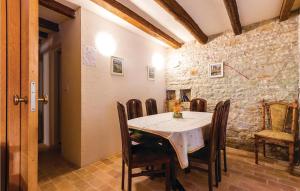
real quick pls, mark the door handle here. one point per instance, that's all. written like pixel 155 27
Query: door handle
pixel 18 100
pixel 44 99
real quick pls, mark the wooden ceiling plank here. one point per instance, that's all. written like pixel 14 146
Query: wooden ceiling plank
pixel 58 7
pixel 133 18
pixel 44 23
pixel 233 13
pixel 43 34
pixel 179 13
pixel 286 9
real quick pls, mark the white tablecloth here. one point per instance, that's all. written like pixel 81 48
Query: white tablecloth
pixel 185 135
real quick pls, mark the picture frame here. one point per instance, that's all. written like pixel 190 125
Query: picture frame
pixel 151 73
pixel 117 66
pixel 216 70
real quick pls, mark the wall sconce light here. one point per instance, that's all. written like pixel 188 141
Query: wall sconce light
pixel 158 61
pixel 194 72
pixel 106 44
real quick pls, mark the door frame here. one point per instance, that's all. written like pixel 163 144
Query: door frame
pixel 41 105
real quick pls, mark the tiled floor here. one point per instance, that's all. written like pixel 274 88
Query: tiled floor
pixel 243 175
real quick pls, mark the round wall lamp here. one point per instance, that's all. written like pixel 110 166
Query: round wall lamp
pixel 105 44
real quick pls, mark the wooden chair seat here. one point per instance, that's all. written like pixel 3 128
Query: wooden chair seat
pixel 143 137
pixel 277 135
pixel 201 156
pixel 144 155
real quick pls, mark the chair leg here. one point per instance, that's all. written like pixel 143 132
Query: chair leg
pixel 210 183
pixel 225 159
pixel 187 170
pixel 168 177
pixel 256 149
pixel 123 173
pixel 173 172
pixel 264 148
pixel 291 155
pixel 219 166
pixel 216 173
pixel 129 177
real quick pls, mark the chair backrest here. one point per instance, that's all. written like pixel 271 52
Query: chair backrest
pixel 126 142
pixel 151 106
pixel 198 104
pixel 226 108
pixel 134 108
pixel 214 133
pixel 277 114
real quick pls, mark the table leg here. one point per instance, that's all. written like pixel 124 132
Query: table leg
pixel 176 185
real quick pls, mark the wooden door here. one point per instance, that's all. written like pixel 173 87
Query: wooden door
pixel 3 97
pixel 13 88
pixel 21 82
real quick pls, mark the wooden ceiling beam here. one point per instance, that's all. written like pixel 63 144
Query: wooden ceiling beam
pixel 233 13
pixel 286 9
pixel 44 23
pixel 133 18
pixel 178 12
pixel 58 7
pixel 43 34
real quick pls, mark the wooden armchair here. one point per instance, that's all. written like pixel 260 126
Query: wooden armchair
pixel 280 129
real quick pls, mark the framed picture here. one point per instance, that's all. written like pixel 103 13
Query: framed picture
pixel 216 70
pixel 151 72
pixel 117 66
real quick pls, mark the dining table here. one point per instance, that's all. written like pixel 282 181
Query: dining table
pixel 185 135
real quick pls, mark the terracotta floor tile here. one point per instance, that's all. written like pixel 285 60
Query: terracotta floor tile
pixel 55 174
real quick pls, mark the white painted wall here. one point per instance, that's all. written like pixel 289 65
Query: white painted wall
pixel 100 90
pixel 70 37
pixel 89 121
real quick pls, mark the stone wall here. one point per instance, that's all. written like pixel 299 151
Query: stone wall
pixel 261 63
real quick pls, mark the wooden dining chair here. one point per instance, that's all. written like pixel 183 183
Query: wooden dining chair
pixel 139 156
pixel 276 114
pixel 151 106
pixel 209 154
pixel 134 108
pixel 222 137
pixel 198 104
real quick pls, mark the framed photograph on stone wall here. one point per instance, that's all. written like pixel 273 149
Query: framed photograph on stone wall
pixel 216 70
pixel 117 65
pixel 151 72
